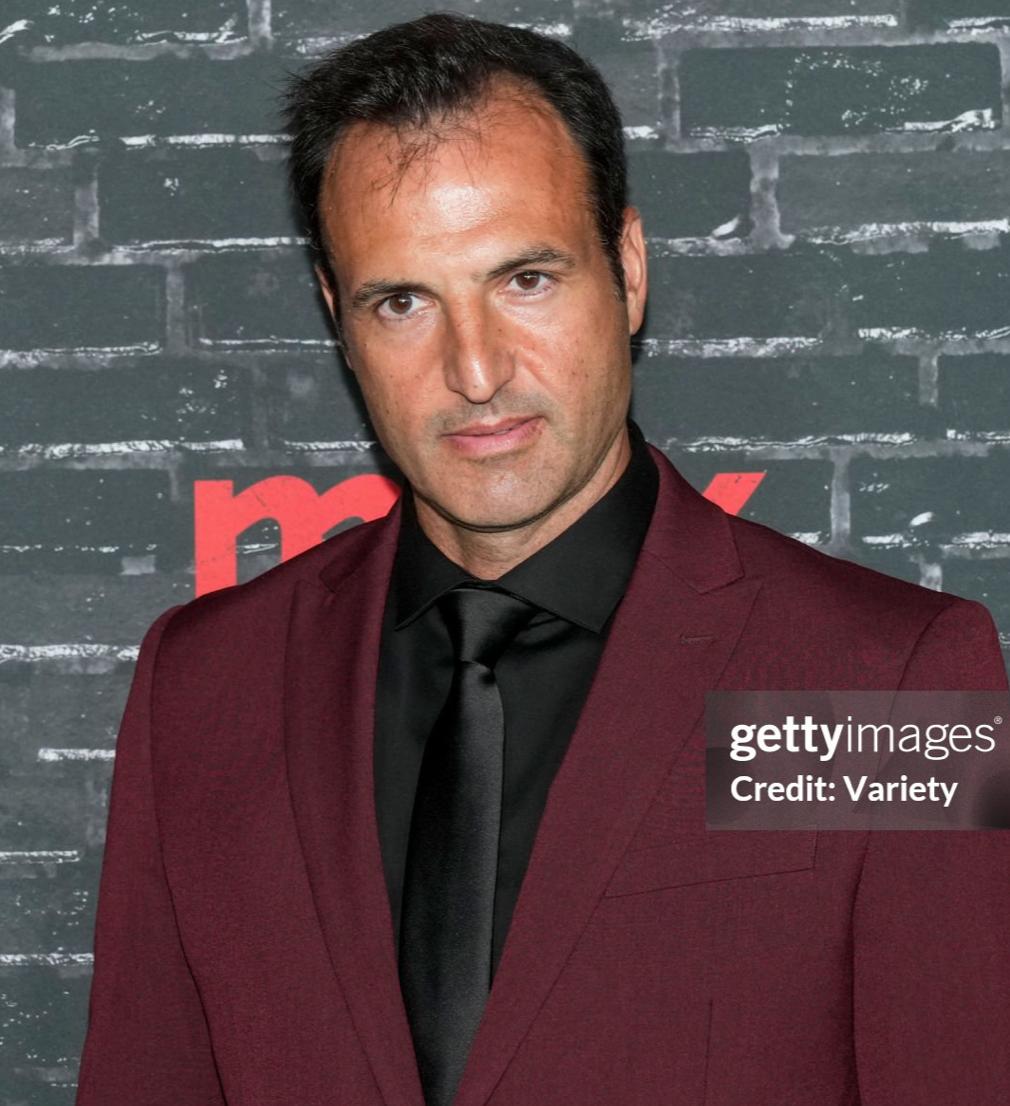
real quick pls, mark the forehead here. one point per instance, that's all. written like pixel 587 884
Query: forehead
pixel 511 159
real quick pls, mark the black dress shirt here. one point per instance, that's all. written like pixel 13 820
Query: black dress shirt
pixel 577 581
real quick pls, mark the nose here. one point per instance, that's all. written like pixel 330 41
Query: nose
pixel 477 360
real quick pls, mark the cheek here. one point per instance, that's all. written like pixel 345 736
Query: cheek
pixel 381 400
pixel 594 334
pixel 596 381
pixel 395 401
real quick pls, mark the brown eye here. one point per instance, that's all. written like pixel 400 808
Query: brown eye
pixel 400 304
pixel 528 281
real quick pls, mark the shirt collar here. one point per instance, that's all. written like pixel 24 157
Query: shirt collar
pixel 580 576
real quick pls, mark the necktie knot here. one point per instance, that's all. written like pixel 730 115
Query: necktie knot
pixel 483 621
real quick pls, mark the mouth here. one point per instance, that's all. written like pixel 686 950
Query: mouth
pixel 483 439
pixel 480 429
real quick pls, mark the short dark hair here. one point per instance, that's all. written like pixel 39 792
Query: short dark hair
pixel 442 64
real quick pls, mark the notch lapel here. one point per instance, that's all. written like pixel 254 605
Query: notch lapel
pixel 646 697
pixel 673 633
pixel 331 661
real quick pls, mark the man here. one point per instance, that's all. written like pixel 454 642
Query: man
pixel 418 817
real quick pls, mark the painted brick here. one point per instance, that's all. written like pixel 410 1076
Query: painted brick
pixel 173 194
pixel 691 195
pixel 36 203
pixel 42 1019
pixel 94 21
pixel 43 707
pixel 835 91
pixel 18 724
pixel 247 296
pixel 938 14
pixel 314 399
pixel 975 392
pixel 150 398
pixel 794 496
pixel 858 189
pixel 81 521
pixel 61 101
pixel 947 495
pixel 799 292
pixel 61 306
pixel 321 19
pixel 629 66
pixel 812 291
pixel 982 580
pixel 949 289
pixel 662 17
pixel 51 805
pixel 111 610
pixel 40 912
pixel 779 399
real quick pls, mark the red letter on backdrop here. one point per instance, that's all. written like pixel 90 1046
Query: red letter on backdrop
pixel 304 514
pixel 731 490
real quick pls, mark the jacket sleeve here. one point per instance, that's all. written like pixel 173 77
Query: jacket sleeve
pixel 931 925
pixel 147 1040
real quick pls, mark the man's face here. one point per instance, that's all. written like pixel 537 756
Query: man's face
pixel 479 311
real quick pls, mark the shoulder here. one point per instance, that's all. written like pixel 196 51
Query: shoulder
pixel 837 603
pixel 784 564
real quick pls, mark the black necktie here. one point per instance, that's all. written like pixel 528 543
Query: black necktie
pixel 452 855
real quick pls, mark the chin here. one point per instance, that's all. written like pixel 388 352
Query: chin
pixel 484 515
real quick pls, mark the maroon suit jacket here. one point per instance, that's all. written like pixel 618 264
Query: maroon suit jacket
pixel 244 950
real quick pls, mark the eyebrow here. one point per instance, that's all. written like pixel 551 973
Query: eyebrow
pixel 537 255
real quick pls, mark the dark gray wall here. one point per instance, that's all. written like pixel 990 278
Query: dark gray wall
pixel 825 186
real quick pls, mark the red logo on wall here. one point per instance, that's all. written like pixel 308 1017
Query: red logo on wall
pixel 305 515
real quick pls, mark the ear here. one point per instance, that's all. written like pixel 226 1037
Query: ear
pixel 633 260
pixel 327 291
pixel 330 298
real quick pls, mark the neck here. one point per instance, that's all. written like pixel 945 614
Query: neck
pixel 487 555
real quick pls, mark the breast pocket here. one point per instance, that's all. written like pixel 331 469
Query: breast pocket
pixel 713 856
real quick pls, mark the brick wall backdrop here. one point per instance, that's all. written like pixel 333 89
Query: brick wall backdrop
pixel 825 184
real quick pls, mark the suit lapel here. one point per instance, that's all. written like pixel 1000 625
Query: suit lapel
pixel 672 636
pixel 330 672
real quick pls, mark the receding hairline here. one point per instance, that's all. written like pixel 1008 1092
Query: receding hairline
pixel 416 141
